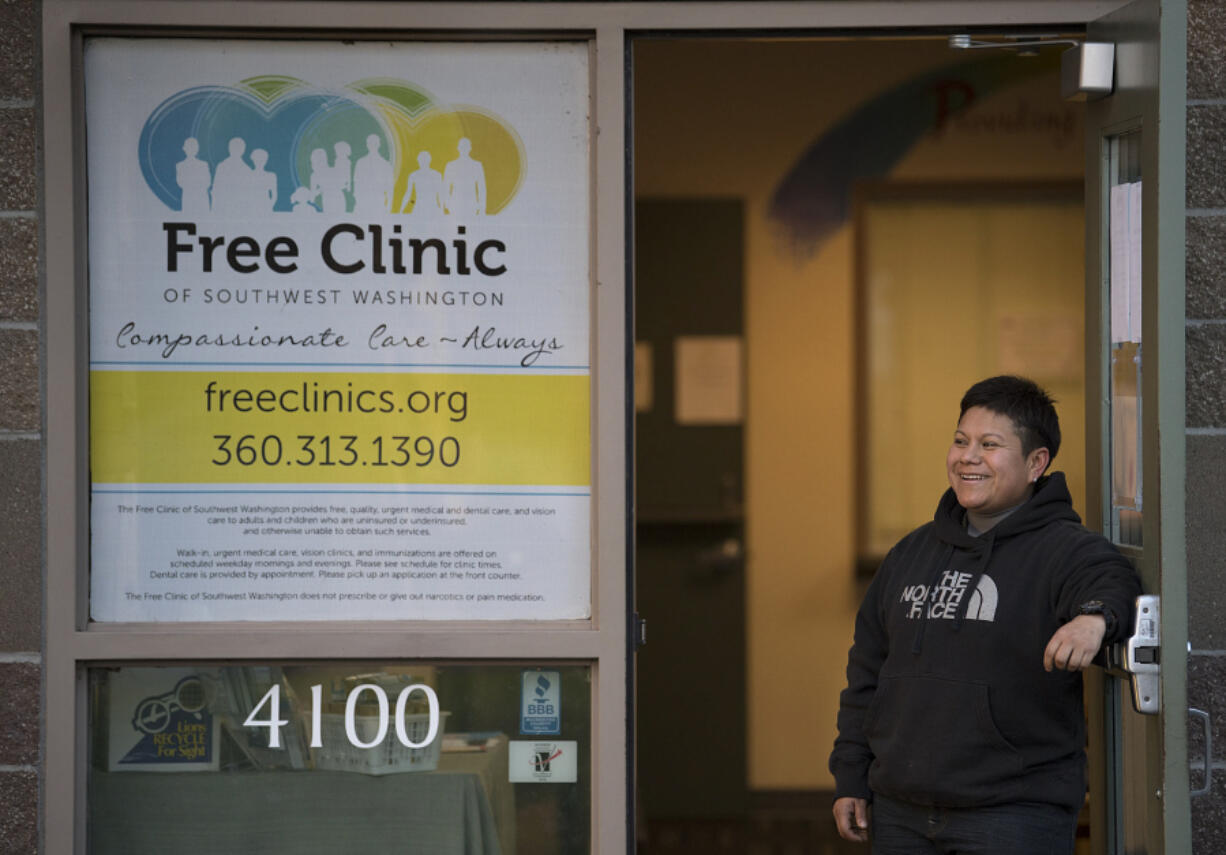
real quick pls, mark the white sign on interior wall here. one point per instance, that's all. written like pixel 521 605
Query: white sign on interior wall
pixel 339 313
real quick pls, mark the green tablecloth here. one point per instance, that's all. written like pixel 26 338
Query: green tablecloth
pixel 289 813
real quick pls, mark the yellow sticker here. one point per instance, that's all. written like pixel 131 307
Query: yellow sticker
pixel 187 427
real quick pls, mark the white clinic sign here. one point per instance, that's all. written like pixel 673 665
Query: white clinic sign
pixel 339 314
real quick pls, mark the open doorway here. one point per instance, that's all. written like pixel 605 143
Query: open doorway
pixel 857 188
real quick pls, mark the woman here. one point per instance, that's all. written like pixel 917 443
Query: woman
pixel 962 719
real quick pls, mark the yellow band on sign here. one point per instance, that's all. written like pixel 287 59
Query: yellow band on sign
pixel 187 427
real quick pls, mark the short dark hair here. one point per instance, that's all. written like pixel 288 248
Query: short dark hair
pixel 1025 403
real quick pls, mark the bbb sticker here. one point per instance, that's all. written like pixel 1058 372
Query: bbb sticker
pixel 540 703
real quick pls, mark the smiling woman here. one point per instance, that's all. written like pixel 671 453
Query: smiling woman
pixel 961 623
pixel 990 468
pixel 1007 436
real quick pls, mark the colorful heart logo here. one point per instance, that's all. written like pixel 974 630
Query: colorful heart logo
pixel 275 143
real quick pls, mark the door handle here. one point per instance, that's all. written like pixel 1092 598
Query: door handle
pixel 1138 657
pixel 1205 723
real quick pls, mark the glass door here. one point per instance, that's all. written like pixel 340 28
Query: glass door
pixel 1134 266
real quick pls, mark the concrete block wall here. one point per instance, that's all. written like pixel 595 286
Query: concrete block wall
pixel 1206 405
pixel 21 511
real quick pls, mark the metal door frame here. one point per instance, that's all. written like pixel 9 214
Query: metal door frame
pixel 1150 72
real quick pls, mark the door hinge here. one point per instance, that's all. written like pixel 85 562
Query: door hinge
pixel 638 631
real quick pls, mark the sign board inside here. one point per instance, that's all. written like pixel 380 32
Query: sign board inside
pixel 339 330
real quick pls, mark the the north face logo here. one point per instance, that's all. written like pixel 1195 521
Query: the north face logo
pixel 944 600
pixel 983 601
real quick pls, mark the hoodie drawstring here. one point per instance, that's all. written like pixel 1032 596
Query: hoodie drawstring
pixel 985 555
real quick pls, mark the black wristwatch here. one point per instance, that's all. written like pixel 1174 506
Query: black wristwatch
pixel 1096 607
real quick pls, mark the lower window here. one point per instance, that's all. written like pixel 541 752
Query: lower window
pixel 337 757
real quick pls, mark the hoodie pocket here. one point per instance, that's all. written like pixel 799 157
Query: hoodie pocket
pixel 935 742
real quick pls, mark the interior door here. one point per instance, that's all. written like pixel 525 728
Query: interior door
pixel 690 578
pixel 1135 401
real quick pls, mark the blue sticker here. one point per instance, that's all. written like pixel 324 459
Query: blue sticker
pixel 540 703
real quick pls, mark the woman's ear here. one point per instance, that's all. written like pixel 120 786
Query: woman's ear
pixel 1036 465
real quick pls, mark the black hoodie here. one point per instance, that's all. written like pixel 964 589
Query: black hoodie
pixel 947 702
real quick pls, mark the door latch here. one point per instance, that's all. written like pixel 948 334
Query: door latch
pixel 1139 656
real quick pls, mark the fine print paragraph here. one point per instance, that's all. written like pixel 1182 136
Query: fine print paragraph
pixel 327 558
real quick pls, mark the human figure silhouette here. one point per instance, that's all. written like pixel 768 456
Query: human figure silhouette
pixel 231 181
pixel 300 202
pixel 337 181
pixel 424 190
pixel 192 176
pixel 464 179
pixel 264 183
pixel 372 180
pixel 318 177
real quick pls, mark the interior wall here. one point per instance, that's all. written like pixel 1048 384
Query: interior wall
pixel 735 118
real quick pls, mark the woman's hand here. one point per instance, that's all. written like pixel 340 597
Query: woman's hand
pixel 851 817
pixel 1074 645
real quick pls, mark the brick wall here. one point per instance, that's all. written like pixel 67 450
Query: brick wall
pixel 21 510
